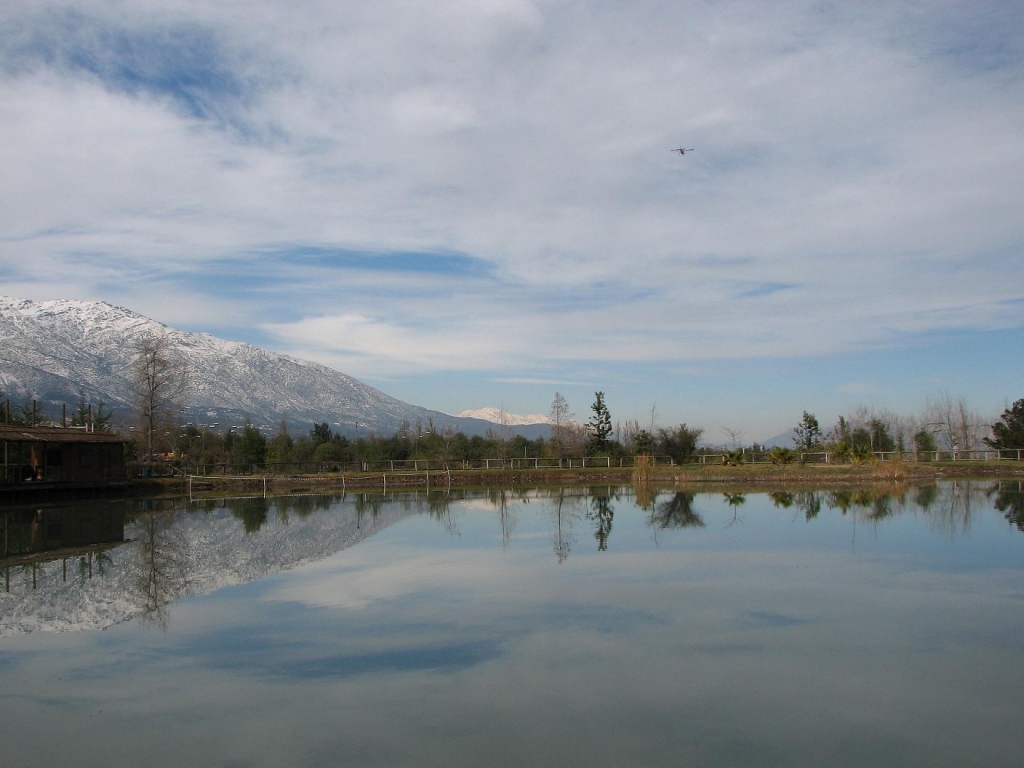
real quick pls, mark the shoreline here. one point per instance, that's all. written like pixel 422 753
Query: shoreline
pixel 759 476
pixel 683 477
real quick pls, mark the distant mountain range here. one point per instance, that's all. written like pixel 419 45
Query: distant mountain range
pixel 501 416
pixel 51 351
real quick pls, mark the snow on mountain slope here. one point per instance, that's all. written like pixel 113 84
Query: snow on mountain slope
pixel 52 350
pixel 501 416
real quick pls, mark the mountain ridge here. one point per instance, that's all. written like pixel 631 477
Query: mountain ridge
pixel 54 350
pixel 503 417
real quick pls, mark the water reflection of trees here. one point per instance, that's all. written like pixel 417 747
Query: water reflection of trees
pixel 507 517
pixel 439 507
pixel 303 506
pixel 677 512
pixel 568 509
pixel 808 502
pixel 163 566
pixel 252 513
pixel 645 493
pixel 926 495
pixel 735 501
pixel 948 505
pixel 603 515
pixel 1008 498
pixel 368 503
pixel 954 505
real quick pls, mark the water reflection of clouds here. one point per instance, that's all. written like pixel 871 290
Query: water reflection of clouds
pixel 706 650
pixel 364 579
pixel 443 658
pixel 770 619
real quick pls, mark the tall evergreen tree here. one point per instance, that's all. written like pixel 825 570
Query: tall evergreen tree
pixel 251 447
pixel 807 434
pixel 321 433
pixel 599 427
pixel 1008 432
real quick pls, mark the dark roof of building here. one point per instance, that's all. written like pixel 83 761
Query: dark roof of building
pixel 25 434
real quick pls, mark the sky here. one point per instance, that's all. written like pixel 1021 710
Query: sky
pixel 470 203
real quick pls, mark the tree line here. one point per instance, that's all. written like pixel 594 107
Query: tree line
pixel 946 423
pixel 322 445
pixel 161 382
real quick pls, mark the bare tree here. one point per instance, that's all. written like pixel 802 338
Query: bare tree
pixel 561 423
pixel 501 436
pixel 735 435
pixel 954 422
pixel 447 436
pixel 576 437
pixel 626 432
pixel 903 429
pixel 161 383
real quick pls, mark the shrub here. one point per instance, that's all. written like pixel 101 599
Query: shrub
pixel 860 454
pixel 733 458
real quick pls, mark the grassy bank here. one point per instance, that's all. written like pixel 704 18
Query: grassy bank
pixel 751 476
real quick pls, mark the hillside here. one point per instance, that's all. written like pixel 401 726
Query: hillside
pixel 53 350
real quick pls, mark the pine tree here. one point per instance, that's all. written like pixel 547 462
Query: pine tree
pixel 1009 431
pixel 599 427
pixel 807 434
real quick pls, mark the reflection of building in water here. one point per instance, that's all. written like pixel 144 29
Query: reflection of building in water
pixel 35 536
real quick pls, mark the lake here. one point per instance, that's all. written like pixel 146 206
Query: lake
pixel 518 628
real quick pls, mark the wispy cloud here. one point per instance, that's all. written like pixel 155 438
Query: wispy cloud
pixel 412 188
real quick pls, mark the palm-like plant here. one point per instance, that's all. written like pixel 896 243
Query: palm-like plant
pixel 860 454
pixel 733 458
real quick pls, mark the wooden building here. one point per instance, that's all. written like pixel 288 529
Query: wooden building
pixel 57 456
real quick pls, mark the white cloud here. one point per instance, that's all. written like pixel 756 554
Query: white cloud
pixel 854 182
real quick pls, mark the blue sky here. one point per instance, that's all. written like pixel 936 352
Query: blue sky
pixel 471 204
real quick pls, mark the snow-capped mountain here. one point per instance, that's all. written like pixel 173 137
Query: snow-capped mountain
pixel 501 416
pixel 50 351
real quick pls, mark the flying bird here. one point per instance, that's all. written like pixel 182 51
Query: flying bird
pixel 682 151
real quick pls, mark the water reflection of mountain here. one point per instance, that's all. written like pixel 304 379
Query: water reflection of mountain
pixel 173 552
pixel 61 576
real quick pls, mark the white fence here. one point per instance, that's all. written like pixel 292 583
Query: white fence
pixel 580 462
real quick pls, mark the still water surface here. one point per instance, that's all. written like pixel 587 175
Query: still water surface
pixel 527 628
